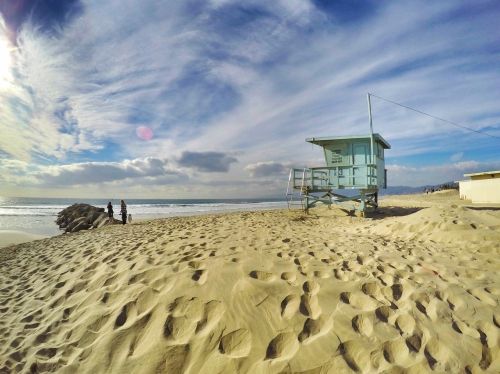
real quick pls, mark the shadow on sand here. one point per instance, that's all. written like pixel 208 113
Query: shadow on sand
pixel 483 207
pixel 391 211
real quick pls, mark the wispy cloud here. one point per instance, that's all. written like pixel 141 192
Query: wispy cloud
pixel 251 79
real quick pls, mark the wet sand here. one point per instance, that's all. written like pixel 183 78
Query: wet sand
pixel 10 237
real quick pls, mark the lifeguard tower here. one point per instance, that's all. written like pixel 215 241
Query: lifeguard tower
pixel 352 162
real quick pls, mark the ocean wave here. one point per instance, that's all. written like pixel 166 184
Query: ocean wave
pixel 145 209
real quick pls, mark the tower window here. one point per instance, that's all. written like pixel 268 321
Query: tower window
pixel 336 156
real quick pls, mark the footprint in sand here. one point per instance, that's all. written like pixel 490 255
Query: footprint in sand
pixel 383 313
pixel 323 274
pixel 340 275
pixel 429 308
pixel 437 355
pixel 489 334
pixel 397 291
pixel 356 356
pixel 60 284
pixel 358 300
pixel 146 300
pixel 179 329
pixel 371 289
pixel 236 344
pixel 283 255
pixel 282 347
pixel 395 351
pixel 262 275
pixel 463 328
pixel 200 276
pixel 212 313
pixel 483 296
pixel 405 324
pixel 362 324
pixel 309 306
pixel 185 305
pixel 486 352
pixel 98 323
pixel 290 306
pixel 414 342
pixel 47 352
pixel 105 297
pixel 311 287
pixel 455 302
pixel 289 276
pixel 125 312
pixel 16 342
pixel 386 279
pixel 314 328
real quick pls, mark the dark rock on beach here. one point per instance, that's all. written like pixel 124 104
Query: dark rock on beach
pixel 82 217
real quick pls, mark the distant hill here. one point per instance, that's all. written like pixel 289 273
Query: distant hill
pixel 403 190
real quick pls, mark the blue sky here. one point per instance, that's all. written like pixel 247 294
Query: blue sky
pixel 214 98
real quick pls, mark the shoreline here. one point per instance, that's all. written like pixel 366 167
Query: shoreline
pixel 15 236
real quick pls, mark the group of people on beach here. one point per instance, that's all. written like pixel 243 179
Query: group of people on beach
pixel 442 187
pixel 123 212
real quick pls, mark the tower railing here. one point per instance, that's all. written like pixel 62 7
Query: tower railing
pixel 323 179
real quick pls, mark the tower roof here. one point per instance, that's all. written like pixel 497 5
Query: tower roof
pixel 330 139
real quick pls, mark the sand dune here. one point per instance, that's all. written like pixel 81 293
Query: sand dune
pixel 260 292
pixel 476 228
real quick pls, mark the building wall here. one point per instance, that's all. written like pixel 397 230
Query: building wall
pixel 481 191
pixel 380 173
pixel 486 176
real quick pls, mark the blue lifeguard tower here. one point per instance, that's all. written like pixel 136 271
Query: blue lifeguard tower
pixel 352 162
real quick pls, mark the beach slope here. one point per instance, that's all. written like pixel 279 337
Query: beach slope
pixel 415 289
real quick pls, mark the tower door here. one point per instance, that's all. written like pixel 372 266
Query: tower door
pixel 360 152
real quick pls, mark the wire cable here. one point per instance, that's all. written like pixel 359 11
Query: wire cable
pixel 432 116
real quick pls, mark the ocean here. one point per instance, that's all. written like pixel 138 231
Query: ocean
pixel 38 215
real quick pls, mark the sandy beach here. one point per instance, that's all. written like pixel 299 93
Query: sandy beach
pixel 413 289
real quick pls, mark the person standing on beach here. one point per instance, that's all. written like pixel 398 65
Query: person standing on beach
pixel 110 212
pixel 123 212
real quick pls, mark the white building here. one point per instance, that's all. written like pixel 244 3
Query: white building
pixel 481 188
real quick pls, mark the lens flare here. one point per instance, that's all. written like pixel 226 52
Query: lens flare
pixel 144 133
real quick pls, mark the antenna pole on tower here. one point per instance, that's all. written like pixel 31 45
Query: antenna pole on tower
pixel 371 126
